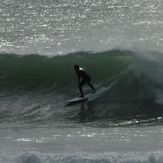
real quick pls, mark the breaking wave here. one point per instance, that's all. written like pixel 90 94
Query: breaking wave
pixel 34 88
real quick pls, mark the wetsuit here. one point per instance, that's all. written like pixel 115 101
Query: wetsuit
pixel 86 79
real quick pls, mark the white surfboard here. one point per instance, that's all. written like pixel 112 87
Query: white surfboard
pixel 76 100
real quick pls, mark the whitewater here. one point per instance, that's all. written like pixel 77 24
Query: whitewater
pixel 119 43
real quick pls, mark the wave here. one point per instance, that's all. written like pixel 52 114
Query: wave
pixel 34 88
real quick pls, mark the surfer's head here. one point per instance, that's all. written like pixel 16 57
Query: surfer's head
pixel 76 67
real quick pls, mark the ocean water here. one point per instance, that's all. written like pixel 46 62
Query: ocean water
pixel 119 43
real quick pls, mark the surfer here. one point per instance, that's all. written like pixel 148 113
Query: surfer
pixel 83 78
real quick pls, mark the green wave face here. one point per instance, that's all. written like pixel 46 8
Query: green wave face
pixel 33 71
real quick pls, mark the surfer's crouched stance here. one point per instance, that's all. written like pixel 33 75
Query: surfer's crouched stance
pixel 86 79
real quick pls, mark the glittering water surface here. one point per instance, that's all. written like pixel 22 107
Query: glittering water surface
pixel 83 139
pixel 53 27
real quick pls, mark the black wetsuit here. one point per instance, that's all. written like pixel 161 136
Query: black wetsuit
pixel 86 79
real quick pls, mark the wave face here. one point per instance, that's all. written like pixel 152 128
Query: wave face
pixel 34 88
pixel 33 71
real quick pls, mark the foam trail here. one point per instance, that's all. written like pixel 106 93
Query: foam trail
pixel 113 81
pixel 101 92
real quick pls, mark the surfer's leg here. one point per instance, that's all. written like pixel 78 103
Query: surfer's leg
pixel 89 83
pixel 80 87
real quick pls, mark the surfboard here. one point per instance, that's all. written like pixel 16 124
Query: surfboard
pixel 76 101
